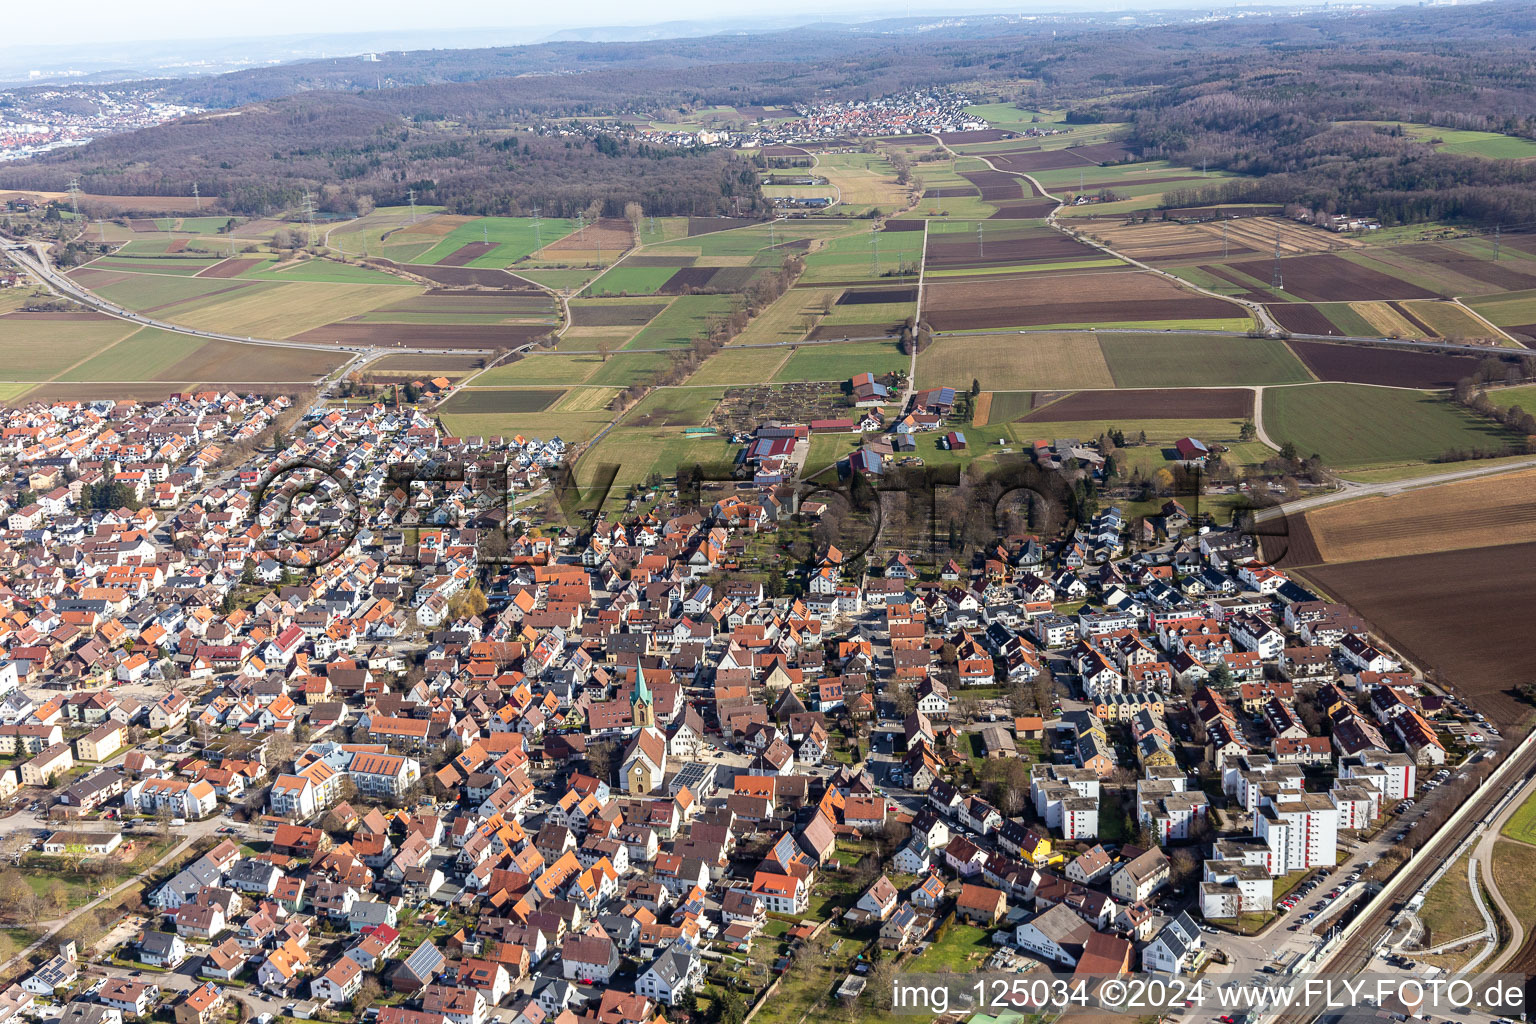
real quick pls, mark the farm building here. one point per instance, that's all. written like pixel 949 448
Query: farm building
pixel 866 461
pixel 867 391
pixel 1191 450
pixel 938 401
pixel 954 440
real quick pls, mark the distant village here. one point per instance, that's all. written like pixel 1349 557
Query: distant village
pixel 920 113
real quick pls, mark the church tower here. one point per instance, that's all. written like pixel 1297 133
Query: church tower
pixel 641 703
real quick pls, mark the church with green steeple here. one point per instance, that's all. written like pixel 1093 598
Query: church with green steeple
pixel 641 703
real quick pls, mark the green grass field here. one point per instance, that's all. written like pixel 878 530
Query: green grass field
pixel 34 350
pixel 1524 397
pixel 1007 115
pixel 1522 824
pixel 1489 145
pixel 514 238
pixel 685 319
pixel 839 361
pixel 623 280
pixel 865 255
pixel 147 291
pixel 641 451
pixel 552 368
pixel 320 272
pixel 143 355
pixel 1165 361
pixel 740 366
pixel 625 368
pixel 183 266
pixel 675 407
pixel 1355 425
pixel 869 313
pixel 1028 268
pixel 1010 405
pixel 1509 309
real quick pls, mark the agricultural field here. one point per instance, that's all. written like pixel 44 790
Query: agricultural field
pixel 1166 361
pixel 1173 242
pixel 883 256
pixel 1481 512
pixel 675 407
pixel 476 400
pixel 1515 312
pixel 963 246
pixel 687 318
pixel 640 451
pixel 1427 606
pixel 163 296
pixel 39 346
pixel 1488 145
pixel 628 280
pixel 491 242
pixel 861 182
pixel 286 310
pixel 1131 298
pixel 794 315
pixel 1360 364
pixel 1353 425
pixel 740 366
pixel 1033 362
pixel 840 361
pixel 1329 277
pixel 1002 406
pixel 316 271
pixel 543 368
pixel 575 418
pixel 1504 398
pixel 1149 404
pixel 602 241
pixel 596 313
pixel 143 355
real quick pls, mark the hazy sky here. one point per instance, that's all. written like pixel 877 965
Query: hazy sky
pixel 93 21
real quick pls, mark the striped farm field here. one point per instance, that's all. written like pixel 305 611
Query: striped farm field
pixel 1028 268
pixel 1011 362
pixel 289 309
pixel 1170 361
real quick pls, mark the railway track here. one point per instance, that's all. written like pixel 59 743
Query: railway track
pixel 1356 952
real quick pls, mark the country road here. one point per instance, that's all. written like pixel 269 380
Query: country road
pixel 37 266
pixel 1351 490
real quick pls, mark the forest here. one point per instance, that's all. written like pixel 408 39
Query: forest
pixel 1277 99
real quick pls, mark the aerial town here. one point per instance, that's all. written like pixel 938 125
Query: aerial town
pixel 768 519
pixel 599 778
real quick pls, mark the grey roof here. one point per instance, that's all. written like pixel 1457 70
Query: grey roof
pixel 672 966
pixel 425 962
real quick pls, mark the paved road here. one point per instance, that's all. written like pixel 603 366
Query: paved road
pixel 36 264
pixel 1350 489
pixel 1484 855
